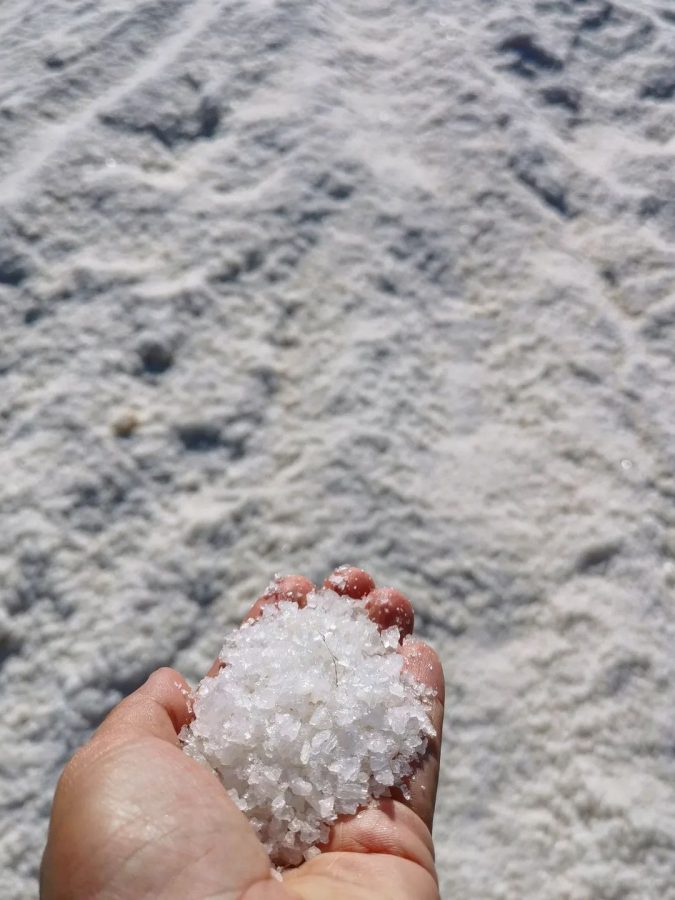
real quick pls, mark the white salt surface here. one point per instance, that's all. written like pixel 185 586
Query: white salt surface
pixel 287 284
pixel 311 717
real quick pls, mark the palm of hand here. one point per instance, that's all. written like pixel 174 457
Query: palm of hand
pixel 134 817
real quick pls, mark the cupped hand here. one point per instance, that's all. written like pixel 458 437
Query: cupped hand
pixel 134 817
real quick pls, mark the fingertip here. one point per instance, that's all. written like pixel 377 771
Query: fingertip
pixel 423 663
pixel 289 587
pixel 388 607
pixel 166 679
pixel 160 707
pixel 172 691
pixel 293 588
pixel 348 581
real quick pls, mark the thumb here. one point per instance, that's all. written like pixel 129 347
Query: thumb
pixel 158 708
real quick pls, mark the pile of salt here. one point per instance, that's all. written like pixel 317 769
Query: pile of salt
pixel 311 717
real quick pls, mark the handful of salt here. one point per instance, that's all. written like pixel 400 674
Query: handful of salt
pixel 311 717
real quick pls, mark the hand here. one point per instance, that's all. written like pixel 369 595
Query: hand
pixel 134 817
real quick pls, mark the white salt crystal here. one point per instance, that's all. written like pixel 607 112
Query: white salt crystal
pixel 301 787
pixel 377 743
pixel 311 718
pixel 385 776
pixel 391 637
pixel 326 808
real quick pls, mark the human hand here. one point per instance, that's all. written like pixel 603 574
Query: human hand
pixel 134 817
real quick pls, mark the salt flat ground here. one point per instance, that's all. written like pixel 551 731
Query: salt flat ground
pixel 290 284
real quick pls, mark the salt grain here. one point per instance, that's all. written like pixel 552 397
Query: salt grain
pixel 311 717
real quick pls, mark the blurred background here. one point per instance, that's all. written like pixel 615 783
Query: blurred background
pixel 285 285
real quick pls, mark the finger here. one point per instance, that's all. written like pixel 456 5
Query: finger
pixel 386 827
pixel 421 661
pixel 359 873
pixel 398 826
pixel 285 587
pixel 293 588
pixel 160 708
pixel 388 607
pixel 350 582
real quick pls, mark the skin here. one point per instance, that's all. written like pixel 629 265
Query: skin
pixel 133 817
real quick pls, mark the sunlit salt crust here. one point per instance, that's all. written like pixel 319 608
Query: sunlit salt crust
pixel 311 717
